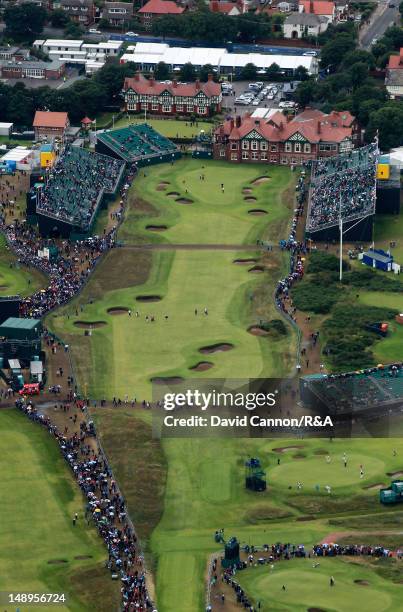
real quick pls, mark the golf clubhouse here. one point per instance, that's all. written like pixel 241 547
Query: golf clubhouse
pixel 284 139
pixel 171 98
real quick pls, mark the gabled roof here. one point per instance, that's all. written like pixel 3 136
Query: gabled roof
pixel 141 85
pixel 312 125
pixel 318 7
pixel 227 8
pixel 50 119
pixel 306 19
pixel 161 7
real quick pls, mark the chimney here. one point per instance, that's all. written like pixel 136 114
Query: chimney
pixel 232 123
pixel 401 56
pixel 318 128
pixel 137 75
pixel 197 83
pixel 311 9
pixel 238 121
pixel 214 6
pixel 281 126
pixel 151 81
pixel 175 83
pixel 257 122
pixel 210 76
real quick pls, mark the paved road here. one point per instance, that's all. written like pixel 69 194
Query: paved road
pixel 384 18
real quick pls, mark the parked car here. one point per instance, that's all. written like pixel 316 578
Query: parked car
pixel 311 53
pixel 131 34
pixel 94 31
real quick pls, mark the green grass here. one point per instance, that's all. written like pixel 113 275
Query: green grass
pixel 390 349
pixel 213 217
pixel 184 279
pixel 15 279
pixel 388 228
pixel 205 491
pixel 171 128
pixel 38 501
pixel 308 587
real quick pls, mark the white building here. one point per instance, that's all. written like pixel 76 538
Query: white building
pixel 147 55
pixel 91 55
pixel 304 24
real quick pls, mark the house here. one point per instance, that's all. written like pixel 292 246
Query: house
pixel 280 139
pixel 16 54
pixel 49 125
pixel 321 8
pixel 79 11
pixel 227 8
pixel 394 75
pixel 33 70
pixel 157 8
pixel 141 94
pixel 304 24
pixel 118 14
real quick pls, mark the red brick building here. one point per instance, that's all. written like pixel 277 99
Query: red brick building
pixel 279 139
pixel 49 125
pixel 157 8
pixel 160 98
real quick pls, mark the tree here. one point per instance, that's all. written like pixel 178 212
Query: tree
pixel 335 50
pixel 161 71
pixel 401 9
pixel 301 73
pixel 73 30
pixel 111 77
pixel 388 121
pixel 273 71
pixel 305 92
pixel 187 73
pixel 59 18
pixel 249 72
pixel 205 71
pixel 24 22
pixel 358 73
pixel 359 55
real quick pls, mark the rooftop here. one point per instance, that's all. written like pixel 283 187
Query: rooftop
pixel 50 119
pixel 318 7
pixel 141 85
pixel 13 322
pixel 161 7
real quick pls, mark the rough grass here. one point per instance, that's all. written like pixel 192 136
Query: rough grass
pixel 16 279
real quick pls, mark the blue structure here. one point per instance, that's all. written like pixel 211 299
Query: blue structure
pixel 376 258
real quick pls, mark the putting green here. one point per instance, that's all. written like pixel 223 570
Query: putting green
pixel 308 588
pixel 41 549
pixel 317 471
pixel 123 356
pixel 213 216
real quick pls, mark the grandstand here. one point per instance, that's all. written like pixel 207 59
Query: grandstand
pixel 355 393
pixel 137 144
pixel 75 188
pixel 343 188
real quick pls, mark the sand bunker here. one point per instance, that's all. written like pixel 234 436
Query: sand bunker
pixel 202 366
pixel 184 201
pixel 216 348
pixel 257 212
pixel 245 262
pixel 167 380
pixel 362 582
pixel 173 194
pixel 260 180
pixel 255 330
pixel 377 486
pixel 247 190
pixel 57 561
pixel 250 199
pixel 156 228
pixel 161 186
pixel 89 324
pixel 394 473
pixel 299 456
pixel 148 298
pixel 83 557
pixel 284 449
pixel 256 269
pixel 118 310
